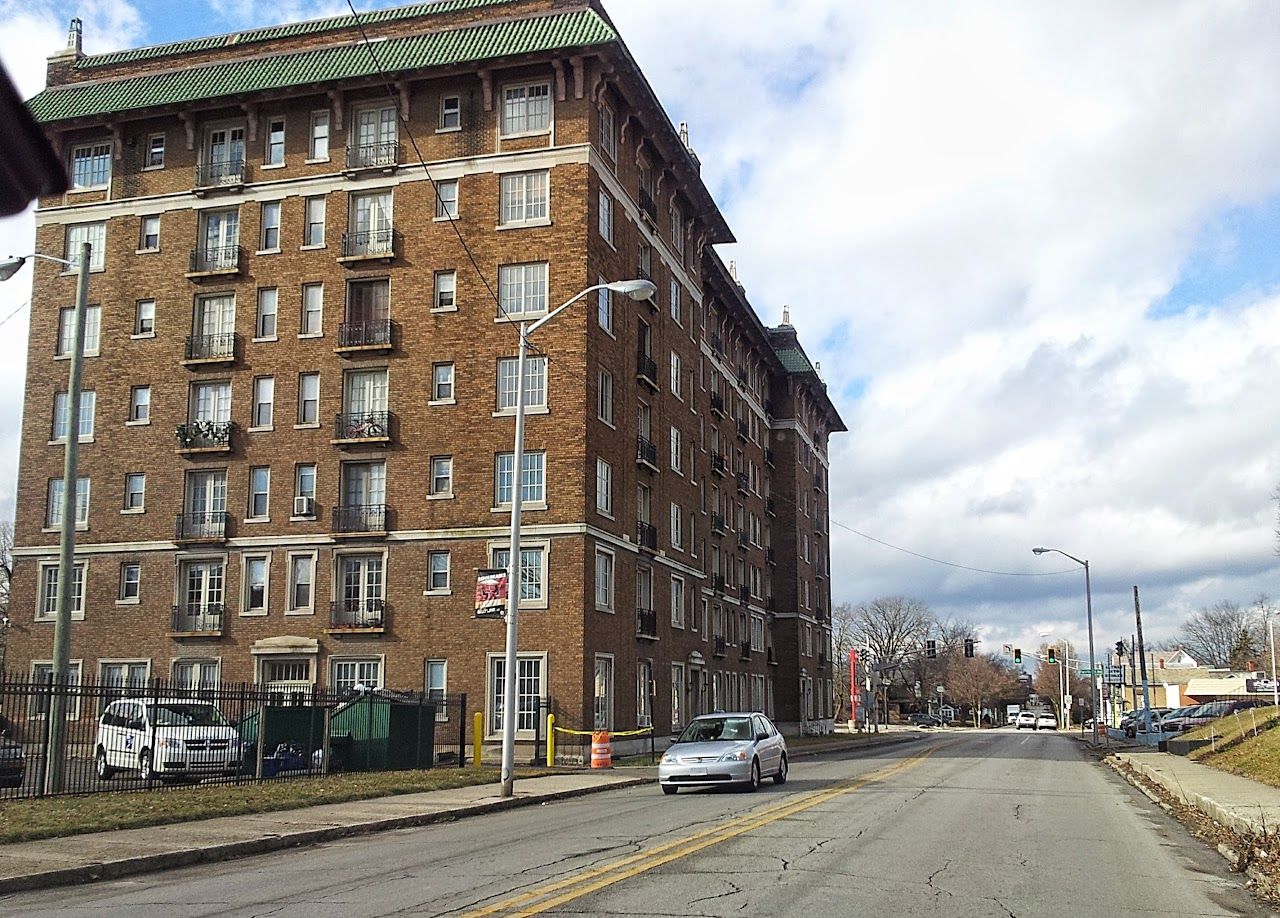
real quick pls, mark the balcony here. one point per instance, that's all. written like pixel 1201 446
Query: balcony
pixel 203 350
pixel 205 526
pixel 720 647
pixel 647 624
pixel 771 557
pixel 770 657
pixel 372 157
pixel 716 343
pixel 364 336
pixel 770 506
pixel 360 519
pixel 744 651
pixel 817 481
pixel 768 457
pixel 717 583
pixel 718 465
pixel 717 404
pixel 647 370
pixel 204 437
pixel 363 615
pixel 743 483
pixel 362 428
pixel 744 432
pixel 646 454
pixel 744 594
pixel 771 605
pixel 220 174
pixel 647 536
pixel 215 261
pixel 647 206
pixel 768 407
pixel 822 659
pixel 717 524
pixel 743 539
pixel 368 245
pixel 203 619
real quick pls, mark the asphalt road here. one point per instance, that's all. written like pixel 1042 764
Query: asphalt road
pixel 956 824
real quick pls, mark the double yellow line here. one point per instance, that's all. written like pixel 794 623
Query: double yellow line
pixel 556 893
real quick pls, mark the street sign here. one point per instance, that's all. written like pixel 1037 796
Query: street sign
pixel 1114 675
pixel 1007 649
pixel 1086 672
pixel 1260 685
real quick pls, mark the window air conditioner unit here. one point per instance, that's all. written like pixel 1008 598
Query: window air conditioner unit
pixel 304 506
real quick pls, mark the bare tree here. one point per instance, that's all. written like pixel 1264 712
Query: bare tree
pixel 975 681
pixel 891 628
pixel 1222 635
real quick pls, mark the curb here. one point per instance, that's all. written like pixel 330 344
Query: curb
pixel 1245 825
pixel 109 870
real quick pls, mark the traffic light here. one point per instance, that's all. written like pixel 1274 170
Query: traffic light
pixel 1053 655
pixel 1119 648
pixel 931 649
pixel 968 647
pixel 1017 655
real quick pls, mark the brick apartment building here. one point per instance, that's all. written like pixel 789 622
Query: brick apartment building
pixel 310 254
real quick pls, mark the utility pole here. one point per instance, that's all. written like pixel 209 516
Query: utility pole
pixel 1142 653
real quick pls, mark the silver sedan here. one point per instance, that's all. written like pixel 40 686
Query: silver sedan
pixel 736 748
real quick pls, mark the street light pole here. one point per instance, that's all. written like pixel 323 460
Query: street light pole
pixel 1088 602
pixel 637 290
pixel 55 750
pixel 1275 686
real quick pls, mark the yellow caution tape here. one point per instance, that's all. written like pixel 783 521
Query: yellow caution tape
pixel 611 733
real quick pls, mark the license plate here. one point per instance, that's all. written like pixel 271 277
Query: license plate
pixel 698 772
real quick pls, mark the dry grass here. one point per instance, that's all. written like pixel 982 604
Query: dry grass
pixel 1253 757
pixel 24 820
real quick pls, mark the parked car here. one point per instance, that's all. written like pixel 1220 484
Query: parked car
pixel 925 720
pixel 736 748
pixel 1046 720
pixel 13 763
pixel 1026 719
pixel 1129 722
pixel 1190 718
pixel 166 738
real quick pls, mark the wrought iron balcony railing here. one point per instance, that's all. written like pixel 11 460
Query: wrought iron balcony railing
pixel 365 334
pixel 373 155
pixel 363 425
pixel 224 259
pixel 378 243
pixel 360 518
pixel 220 172
pixel 358 612
pixel 205 526
pixel 720 646
pixel 646 453
pixel 647 536
pixel 197 617
pixel 204 435
pixel 647 370
pixel 219 347
pixel 647 623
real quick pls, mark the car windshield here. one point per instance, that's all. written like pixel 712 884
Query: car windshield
pixel 717 729
pixel 185 715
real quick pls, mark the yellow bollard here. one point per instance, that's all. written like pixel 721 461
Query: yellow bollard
pixel 551 740
pixel 477 739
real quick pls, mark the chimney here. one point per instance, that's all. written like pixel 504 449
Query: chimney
pixel 75 33
pixel 62 64
pixel 684 140
pixel 786 315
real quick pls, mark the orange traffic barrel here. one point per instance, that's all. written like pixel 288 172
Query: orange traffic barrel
pixel 601 752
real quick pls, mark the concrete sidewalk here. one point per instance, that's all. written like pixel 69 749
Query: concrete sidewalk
pixel 1238 803
pixel 107 855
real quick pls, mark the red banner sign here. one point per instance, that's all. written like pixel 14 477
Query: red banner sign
pixel 491 593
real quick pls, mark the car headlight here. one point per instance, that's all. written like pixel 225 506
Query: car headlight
pixel 667 759
pixel 738 755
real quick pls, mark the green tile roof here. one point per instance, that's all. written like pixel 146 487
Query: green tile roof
pixel 342 62
pixel 289 30
pixel 794 360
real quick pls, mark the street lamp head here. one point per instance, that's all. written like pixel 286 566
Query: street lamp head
pixel 10 266
pixel 1040 551
pixel 636 289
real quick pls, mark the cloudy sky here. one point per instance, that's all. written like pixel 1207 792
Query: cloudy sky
pixel 1036 247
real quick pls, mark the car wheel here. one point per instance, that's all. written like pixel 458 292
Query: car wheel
pixel 781 776
pixel 753 782
pixel 669 789
pixel 105 771
pixel 144 766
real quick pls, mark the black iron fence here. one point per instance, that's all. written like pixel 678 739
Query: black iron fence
pixel 144 734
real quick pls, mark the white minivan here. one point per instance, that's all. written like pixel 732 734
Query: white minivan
pixel 163 737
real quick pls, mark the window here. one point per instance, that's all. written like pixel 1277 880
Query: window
pixel 304 481
pixel 532 488
pixel 450 113
pixel 48 607
pixel 677 602
pixel 66 330
pixel 522 289
pixel 312 323
pixel 149 233
pixel 606 217
pixel 255 584
pixel 301 580
pixel 535 382
pixel 275 143
pixel 270 241
pixel 531 570
pixel 437 571
pixel 436 682
pixel 446 199
pixel 130 581
pixel 604 579
pixel 259 492
pixel 644 259
pixel 265 328
pixel 677 374
pixel 374 143
pixel 446 291
pixel 677 692
pixel 140 405
pixel 677 527
pixel 93 233
pixel 441 476
pixel 526 109
pixel 352 675
pixel 318 148
pixel 675 450
pixel 219 239
pixel 61 415
pixel 442 382
pixel 135 490
pixel 193 675
pixel 370 225
pixel 144 319
pixel 530 674
pixel 604 307
pixel 40 673
pixel 309 398
pixel 677 311
pixel 313 222
pixel 677 229
pixel 604 487
pixel 264 401
pixel 608 132
pixel 90 166
pixel 53 510
pixel 155 153
pixel 604 692
pixel 523 198
pixel 604 398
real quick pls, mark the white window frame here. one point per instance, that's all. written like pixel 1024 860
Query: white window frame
pixel 443 383
pixel 604 397
pixel 603 693
pixel 319 135
pixel 677 451
pixel 313 222
pixel 144 318
pixel 308 401
pixel 269 222
pixel 534 467
pixel 604 487
pixel 61 426
pixel 527 547
pixel 493 726
pixel 66 332
pixel 139 399
pixel 291 608
pixel 679 599
pixel 122 597
pixel 608 132
pixel 437 690
pixel 53 504
pixel 141 505
pixel 445 292
pixel 431 588
pixel 361 664
pixel 146 222
pixel 606 567
pixel 450 113
pixel 245 561
pixel 677 376
pixel 677 527
pixel 447 194
pixel 263 407
pixel 268 314
pixel 604 225
pixel 273 147
pixel 74 678
pixel 94 233
pixel 46 590
pixel 250 515
pixel 513 116
pixel 524 198
pixel 677 695
pixel 150 160
pixel 97 152
pixel 433 491
pixel 313 291
pixel 535 385
pixel 523 290
pixel 604 308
